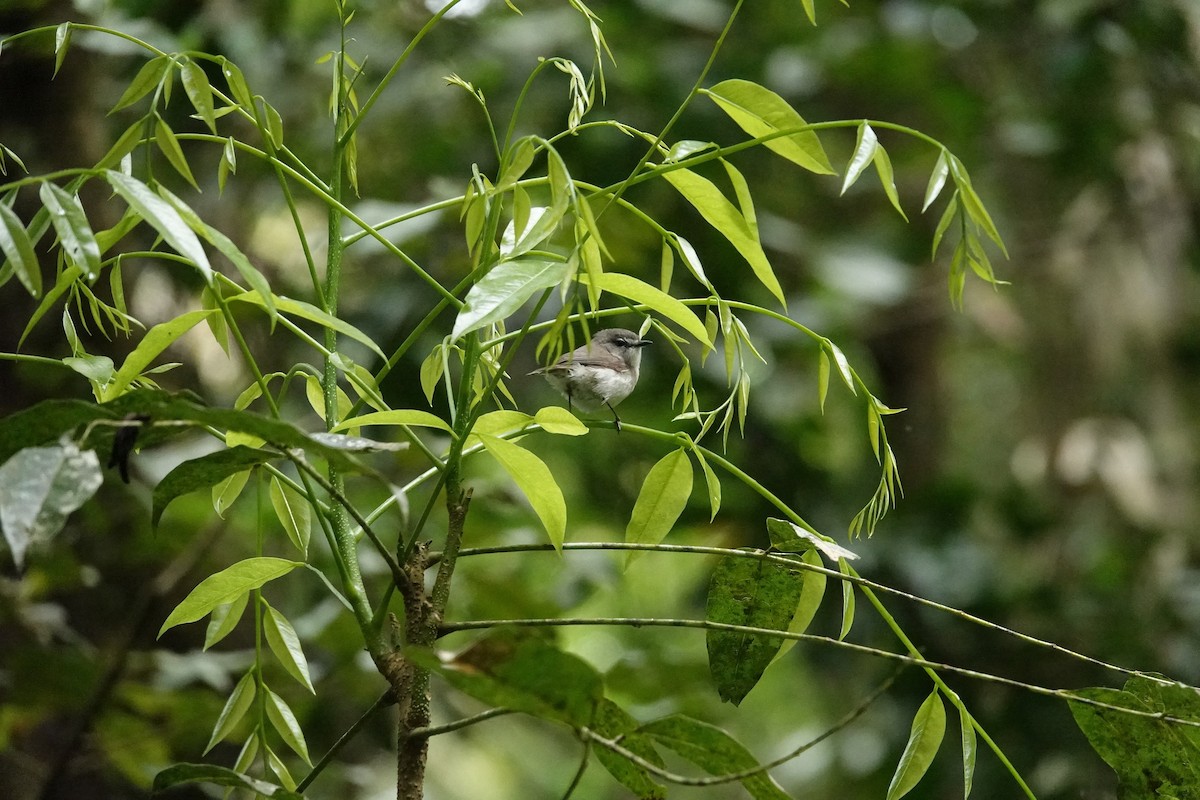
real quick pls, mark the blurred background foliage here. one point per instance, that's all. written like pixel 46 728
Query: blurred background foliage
pixel 1048 450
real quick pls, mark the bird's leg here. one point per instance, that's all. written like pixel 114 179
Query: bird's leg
pixel 616 419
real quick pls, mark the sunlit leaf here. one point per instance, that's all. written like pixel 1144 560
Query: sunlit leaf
pixel 937 180
pixel 226 586
pixel 303 310
pixel 864 153
pixel 402 416
pixel 967 726
pixel 718 212
pixel 535 480
pixel 887 177
pixel 662 498
pixel 761 112
pixel 847 600
pixel 504 289
pixel 639 291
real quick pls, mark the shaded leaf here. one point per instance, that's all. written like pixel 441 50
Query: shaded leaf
pixel 180 774
pixel 613 722
pixel 147 78
pixel 18 249
pixel 285 644
pixel 756 593
pixel 163 218
pixel 165 138
pixel 235 708
pixel 924 739
pixel 225 618
pixel 199 92
pixel 225 587
pixel 525 674
pixel 202 473
pixel 294 513
pixel 74 232
pixel 157 339
pixel 713 750
pixel 283 719
pixel 39 488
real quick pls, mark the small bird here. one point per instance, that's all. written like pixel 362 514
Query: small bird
pixel 601 373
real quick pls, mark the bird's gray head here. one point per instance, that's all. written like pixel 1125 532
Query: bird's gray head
pixel 622 343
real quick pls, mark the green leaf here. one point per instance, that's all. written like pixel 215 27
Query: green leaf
pixel 883 165
pixel 165 138
pixel 294 513
pixel 760 112
pixel 613 722
pixel 928 727
pixel 711 482
pixel 557 420
pixel 810 600
pixel 641 292
pixel 299 308
pixel 714 751
pixel 285 644
pixel 937 180
pixel 180 774
pixel 148 78
pixel 1152 758
pixel 756 593
pixel 124 145
pixel 154 342
pixel 525 674
pixel 285 723
pixel 225 247
pixel 18 249
pixel 62 41
pixel 535 480
pixel 843 365
pixel 948 216
pixel 822 378
pixel 163 218
pixel 202 473
pixel 847 600
pixel 864 154
pixel 662 498
pixel 225 587
pixel 718 212
pixel 66 279
pixel 790 537
pixel 71 224
pixel 39 488
pixel 235 708
pixel 967 726
pixel 504 289
pixel 199 92
pixel 225 618
pixel 403 416
pixel 237 85
pixel 973 205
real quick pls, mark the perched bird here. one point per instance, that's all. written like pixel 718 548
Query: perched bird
pixel 601 373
